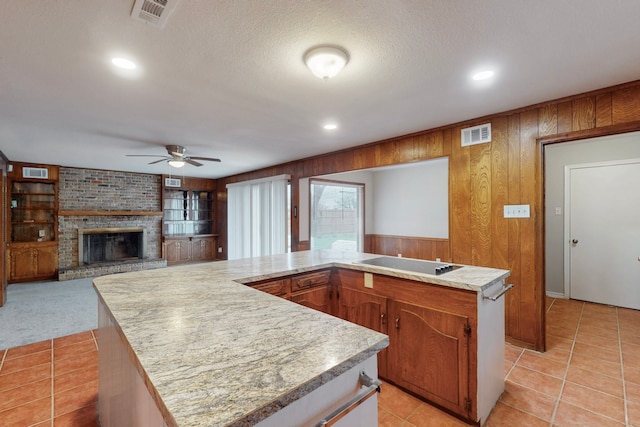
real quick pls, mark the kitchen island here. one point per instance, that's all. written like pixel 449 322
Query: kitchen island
pixel 197 348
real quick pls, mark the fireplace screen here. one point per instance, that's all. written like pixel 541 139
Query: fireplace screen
pixel 109 246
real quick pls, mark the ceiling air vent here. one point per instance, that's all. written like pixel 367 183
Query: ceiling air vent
pixel 476 135
pixel 154 12
pixel 171 182
pixel 39 173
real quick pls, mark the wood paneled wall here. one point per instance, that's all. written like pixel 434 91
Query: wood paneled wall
pixel 482 179
pixel 409 247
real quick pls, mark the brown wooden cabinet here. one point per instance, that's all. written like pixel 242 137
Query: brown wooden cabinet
pixel 314 290
pixel 429 354
pixel 366 310
pixel 33 262
pixel 280 287
pixel 188 220
pixel 189 249
pixel 33 222
pixel 431 345
pixel 433 330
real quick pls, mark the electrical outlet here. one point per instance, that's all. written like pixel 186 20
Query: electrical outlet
pixel 40 233
pixel 219 249
pixel 368 280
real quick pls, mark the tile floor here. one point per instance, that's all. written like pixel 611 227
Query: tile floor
pixel 589 376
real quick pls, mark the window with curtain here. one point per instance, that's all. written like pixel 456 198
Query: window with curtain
pixel 257 213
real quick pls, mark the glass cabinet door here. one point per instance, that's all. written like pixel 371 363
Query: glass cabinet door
pixel 33 212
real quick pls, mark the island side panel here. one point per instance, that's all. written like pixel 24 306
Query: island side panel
pixel 123 398
pixel 311 409
pixel 491 341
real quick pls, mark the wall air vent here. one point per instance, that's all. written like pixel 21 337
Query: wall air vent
pixel 476 135
pixel 154 12
pixel 38 173
pixel 171 182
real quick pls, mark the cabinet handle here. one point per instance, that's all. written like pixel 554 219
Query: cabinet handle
pixel 382 319
pixel 398 322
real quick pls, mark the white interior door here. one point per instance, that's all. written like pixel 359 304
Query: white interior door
pixel 604 233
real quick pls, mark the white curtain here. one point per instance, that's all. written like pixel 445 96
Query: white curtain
pixel 257 217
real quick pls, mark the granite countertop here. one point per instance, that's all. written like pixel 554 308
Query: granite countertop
pixel 217 353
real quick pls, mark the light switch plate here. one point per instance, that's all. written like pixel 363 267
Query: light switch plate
pixel 368 280
pixel 517 211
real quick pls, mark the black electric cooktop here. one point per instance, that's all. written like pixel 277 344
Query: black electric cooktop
pixel 414 265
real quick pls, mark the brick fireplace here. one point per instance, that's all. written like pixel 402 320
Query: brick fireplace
pixel 92 202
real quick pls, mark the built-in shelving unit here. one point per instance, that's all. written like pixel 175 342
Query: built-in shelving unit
pixel 188 220
pixel 33 222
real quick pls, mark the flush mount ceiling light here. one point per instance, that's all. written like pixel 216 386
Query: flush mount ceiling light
pixel 483 75
pixel 326 61
pixel 176 163
pixel 330 126
pixel 124 63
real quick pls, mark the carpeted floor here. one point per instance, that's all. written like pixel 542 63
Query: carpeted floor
pixel 44 310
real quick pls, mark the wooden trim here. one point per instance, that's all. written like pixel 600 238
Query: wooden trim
pixel 591 133
pixel 110 213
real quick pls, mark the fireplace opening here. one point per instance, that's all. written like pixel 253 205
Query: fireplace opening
pixel 110 245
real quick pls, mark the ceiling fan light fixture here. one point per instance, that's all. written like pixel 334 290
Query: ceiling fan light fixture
pixel 326 62
pixel 177 163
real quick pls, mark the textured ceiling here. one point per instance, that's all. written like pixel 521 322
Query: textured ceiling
pixel 226 78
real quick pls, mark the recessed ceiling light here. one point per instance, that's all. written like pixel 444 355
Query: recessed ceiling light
pixel 483 75
pixel 124 63
pixel 330 126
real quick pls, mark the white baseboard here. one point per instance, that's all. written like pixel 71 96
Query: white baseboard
pixel 556 295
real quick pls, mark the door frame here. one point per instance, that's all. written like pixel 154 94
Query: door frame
pixel 4 218
pixel 567 212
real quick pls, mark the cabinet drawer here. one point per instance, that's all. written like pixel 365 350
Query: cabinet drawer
pixel 276 287
pixel 306 281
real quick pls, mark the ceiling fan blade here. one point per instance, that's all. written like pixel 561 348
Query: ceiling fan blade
pixel 144 155
pixel 157 161
pixel 192 162
pixel 209 159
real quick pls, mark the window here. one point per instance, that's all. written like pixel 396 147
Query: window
pixel 258 217
pixel 337 215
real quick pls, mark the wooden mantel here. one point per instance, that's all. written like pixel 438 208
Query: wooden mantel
pixel 107 213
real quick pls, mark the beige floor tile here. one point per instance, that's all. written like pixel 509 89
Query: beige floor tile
pixel 594 401
pixel 537 381
pixel 569 415
pixel 506 416
pixel 596 381
pixel 538 362
pixel 528 400
pixel 605 354
pixel 588 362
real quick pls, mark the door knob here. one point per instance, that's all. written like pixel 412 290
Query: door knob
pixel 574 241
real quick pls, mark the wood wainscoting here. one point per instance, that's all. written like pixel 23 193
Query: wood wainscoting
pixel 408 246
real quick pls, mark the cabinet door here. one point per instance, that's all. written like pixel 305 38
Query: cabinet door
pixel 176 251
pixel 429 354
pixel 202 248
pixel 319 298
pixel 23 263
pixel 47 261
pixel 366 310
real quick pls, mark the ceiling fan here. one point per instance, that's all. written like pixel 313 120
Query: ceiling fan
pixel 177 157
